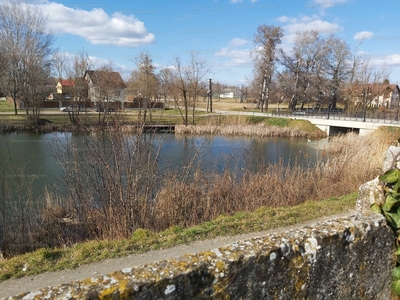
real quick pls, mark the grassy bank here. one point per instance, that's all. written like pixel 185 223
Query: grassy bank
pixel 135 218
pixel 204 124
pixel 254 126
pixel 264 218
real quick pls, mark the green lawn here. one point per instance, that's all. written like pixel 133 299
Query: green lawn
pixel 265 218
pixel 5 106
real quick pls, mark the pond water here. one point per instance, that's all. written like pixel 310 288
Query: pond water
pixel 28 155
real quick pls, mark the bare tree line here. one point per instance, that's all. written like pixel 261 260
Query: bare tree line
pixel 316 71
pixel 184 81
pixel 26 46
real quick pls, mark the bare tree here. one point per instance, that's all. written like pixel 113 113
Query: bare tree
pixel 81 63
pixel 60 65
pixel 3 64
pixel 303 67
pixel 339 66
pixel 181 83
pixel 188 80
pixel 164 78
pixel 75 71
pixel 195 73
pixel 144 83
pixel 217 88
pixel 266 40
pixel 26 44
pixel 105 88
pixel 34 92
pixel 367 86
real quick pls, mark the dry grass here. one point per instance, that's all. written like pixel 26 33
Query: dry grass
pixel 211 195
pixel 46 260
pixel 227 104
pixel 114 192
pixel 256 130
pixel 200 206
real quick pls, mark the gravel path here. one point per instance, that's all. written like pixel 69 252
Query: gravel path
pixel 13 287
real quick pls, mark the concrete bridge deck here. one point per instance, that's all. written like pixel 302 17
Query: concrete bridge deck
pixel 330 123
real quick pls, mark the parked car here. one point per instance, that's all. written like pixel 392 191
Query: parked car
pixel 72 108
pixel 105 109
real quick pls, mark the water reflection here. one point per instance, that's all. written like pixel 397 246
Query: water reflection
pixel 30 153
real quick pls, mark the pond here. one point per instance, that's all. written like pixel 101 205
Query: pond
pixel 31 156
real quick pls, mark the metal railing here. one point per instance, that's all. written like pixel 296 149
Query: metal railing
pixel 370 117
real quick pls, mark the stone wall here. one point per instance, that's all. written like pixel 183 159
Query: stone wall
pixel 343 258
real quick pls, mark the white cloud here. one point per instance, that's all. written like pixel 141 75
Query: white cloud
pixel 96 26
pixel 391 60
pixel 304 23
pixel 235 57
pixel 237 42
pixel 322 27
pixel 283 19
pixel 363 35
pixel 329 3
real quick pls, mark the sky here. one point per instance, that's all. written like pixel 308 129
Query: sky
pixel 220 31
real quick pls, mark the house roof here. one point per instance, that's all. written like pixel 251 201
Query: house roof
pixel 65 82
pixel 373 88
pixel 101 78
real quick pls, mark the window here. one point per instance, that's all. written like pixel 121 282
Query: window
pixel 117 93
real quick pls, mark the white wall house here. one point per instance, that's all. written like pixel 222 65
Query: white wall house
pixel 376 95
pixel 388 96
pixel 226 95
pixel 105 86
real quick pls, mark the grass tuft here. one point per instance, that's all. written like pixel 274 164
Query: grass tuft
pixel 264 218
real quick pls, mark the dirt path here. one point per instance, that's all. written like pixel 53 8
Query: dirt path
pixel 14 287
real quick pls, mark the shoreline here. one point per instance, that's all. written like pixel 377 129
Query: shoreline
pixel 259 129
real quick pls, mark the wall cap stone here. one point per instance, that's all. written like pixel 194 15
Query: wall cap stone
pixel 295 264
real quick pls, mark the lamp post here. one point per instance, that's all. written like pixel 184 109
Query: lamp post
pixel 210 95
pixel 365 94
pixel 330 103
pixel 398 106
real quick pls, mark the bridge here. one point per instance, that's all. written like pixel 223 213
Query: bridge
pixel 332 123
pixel 336 126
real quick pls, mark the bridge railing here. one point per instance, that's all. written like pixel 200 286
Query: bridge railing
pixel 370 117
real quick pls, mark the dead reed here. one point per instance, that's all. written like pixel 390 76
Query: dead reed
pixel 112 187
pixel 352 161
pixel 256 130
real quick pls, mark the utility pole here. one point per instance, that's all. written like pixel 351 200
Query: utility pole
pixel 398 106
pixel 210 94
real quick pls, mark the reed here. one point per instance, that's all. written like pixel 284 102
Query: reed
pixel 113 186
pixel 257 130
pixel 351 163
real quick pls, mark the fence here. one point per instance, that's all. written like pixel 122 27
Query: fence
pixel 390 117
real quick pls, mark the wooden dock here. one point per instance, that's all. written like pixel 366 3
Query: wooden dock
pixel 159 128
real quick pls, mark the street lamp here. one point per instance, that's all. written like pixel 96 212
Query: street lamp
pixel 330 103
pixel 398 105
pixel 364 93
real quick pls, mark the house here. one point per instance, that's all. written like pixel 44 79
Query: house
pixel 105 86
pixel 376 95
pixel 226 95
pixel 64 86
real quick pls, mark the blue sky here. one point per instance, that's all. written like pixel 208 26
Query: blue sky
pixel 221 31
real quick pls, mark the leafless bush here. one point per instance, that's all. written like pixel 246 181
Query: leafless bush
pixel 258 130
pixel 112 185
pixel 273 185
pixel 110 180
pixel 18 210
